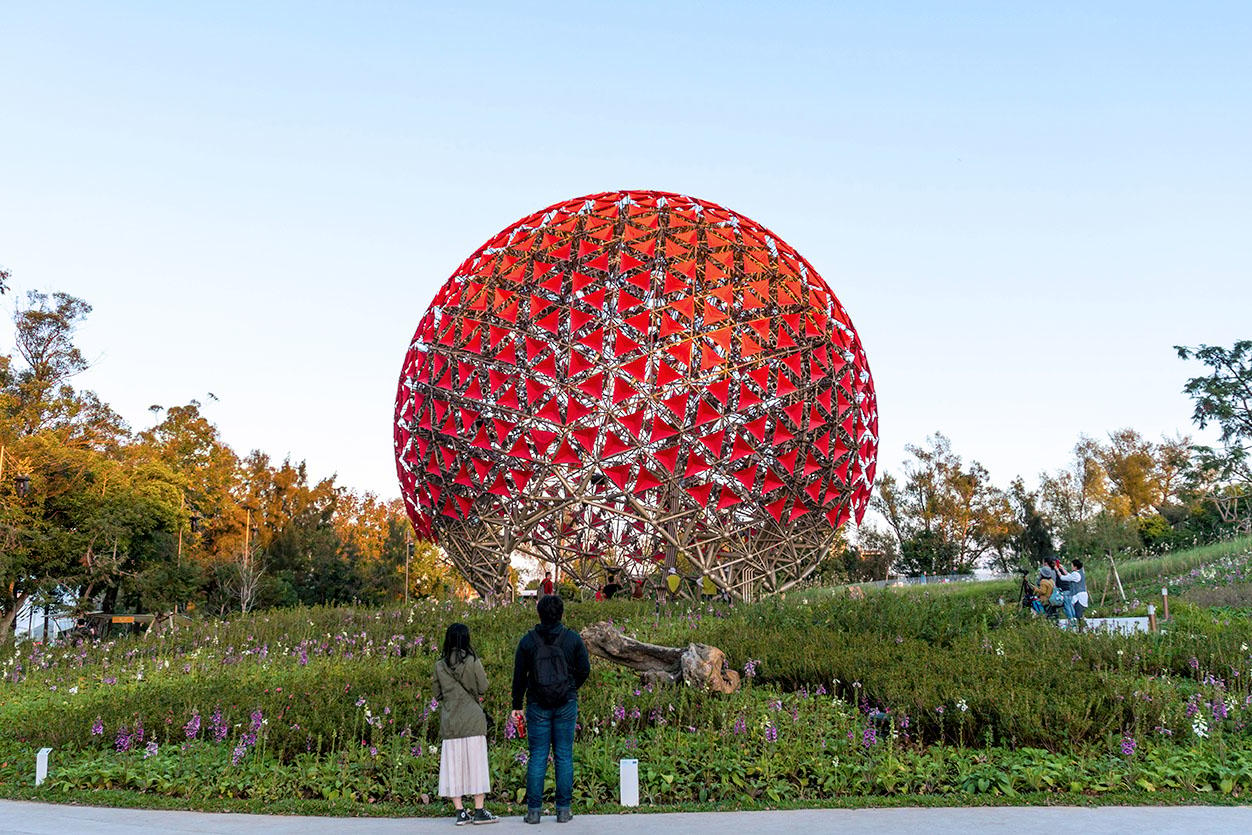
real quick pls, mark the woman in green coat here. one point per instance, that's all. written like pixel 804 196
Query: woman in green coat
pixel 460 683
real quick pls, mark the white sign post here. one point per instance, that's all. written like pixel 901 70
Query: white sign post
pixel 41 766
pixel 629 772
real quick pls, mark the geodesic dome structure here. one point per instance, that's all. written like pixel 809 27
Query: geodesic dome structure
pixel 629 379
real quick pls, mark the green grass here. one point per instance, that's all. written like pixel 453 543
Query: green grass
pixel 983 705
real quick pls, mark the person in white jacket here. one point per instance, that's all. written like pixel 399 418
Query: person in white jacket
pixel 1077 580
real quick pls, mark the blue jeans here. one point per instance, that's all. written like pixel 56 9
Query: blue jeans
pixel 1068 605
pixel 550 728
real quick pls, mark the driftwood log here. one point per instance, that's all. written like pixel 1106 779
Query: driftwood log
pixel 699 665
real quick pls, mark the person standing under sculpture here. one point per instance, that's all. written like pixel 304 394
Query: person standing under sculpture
pixel 550 664
pixel 546 587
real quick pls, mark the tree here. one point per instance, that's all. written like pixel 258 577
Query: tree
pixel 60 440
pixel 1031 536
pixel 873 555
pixel 1105 533
pixel 1223 398
pixel 1137 477
pixel 945 515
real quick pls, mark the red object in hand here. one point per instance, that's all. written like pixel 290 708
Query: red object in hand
pixel 519 724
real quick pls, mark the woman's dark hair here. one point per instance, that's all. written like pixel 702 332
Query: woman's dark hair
pixel 456 644
pixel 550 607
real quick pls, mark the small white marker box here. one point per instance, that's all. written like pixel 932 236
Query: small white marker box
pixel 41 765
pixel 629 773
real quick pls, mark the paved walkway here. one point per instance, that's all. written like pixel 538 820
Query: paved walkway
pixel 22 818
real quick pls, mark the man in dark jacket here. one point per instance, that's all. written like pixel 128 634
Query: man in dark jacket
pixel 550 664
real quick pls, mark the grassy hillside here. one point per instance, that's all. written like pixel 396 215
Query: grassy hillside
pixel 932 691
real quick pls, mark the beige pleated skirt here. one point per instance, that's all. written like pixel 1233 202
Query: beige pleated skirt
pixel 463 767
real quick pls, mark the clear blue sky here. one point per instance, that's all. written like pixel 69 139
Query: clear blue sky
pixel 1022 210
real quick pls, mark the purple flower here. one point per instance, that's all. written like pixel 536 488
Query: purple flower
pixel 238 754
pixel 218 724
pixel 741 725
pixel 150 750
pixel 771 733
pixel 123 740
pixel 97 727
pixel 257 719
pixel 619 712
pixel 1128 746
pixel 870 737
pixel 749 669
pixel 522 757
pixel 193 725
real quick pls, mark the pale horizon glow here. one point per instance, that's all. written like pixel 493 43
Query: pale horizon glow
pixel 1023 211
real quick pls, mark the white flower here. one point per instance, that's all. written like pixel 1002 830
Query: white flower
pixel 1243 647
pixel 73 691
pixel 1200 726
pixel 961 705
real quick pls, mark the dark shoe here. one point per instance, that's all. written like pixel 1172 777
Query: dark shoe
pixel 532 816
pixel 483 816
pixel 463 817
pixel 564 816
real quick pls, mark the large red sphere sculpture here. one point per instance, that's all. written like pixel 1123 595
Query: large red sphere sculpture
pixel 629 380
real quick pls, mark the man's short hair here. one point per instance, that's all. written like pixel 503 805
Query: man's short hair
pixel 1078 564
pixel 550 607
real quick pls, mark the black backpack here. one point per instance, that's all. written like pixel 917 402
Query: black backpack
pixel 553 683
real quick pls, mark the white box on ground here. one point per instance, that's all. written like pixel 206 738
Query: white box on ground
pixel 630 782
pixel 41 765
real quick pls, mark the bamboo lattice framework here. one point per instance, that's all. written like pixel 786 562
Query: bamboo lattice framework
pixel 626 377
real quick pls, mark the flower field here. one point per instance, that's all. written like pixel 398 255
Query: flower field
pixel 901 694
